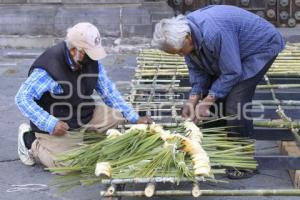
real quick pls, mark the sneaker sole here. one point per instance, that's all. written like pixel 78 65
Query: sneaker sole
pixel 22 129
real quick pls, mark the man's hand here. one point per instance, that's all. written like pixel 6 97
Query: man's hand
pixel 188 110
pixel 202 109
pixel 144 120
pixel 60 129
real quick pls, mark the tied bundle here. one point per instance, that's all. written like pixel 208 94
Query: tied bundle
pixel 146 151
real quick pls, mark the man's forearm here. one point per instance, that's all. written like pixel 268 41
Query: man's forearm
pixel 43 120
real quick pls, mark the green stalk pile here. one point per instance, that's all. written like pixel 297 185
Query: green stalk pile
pixel 145 153
pixel 152 61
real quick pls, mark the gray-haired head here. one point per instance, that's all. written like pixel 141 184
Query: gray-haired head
pixel 171 33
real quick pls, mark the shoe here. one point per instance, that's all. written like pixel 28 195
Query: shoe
pixel 24 153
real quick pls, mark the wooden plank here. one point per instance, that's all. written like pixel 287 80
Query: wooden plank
pixel 291 149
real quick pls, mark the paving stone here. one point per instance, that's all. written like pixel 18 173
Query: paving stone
pixel 12 171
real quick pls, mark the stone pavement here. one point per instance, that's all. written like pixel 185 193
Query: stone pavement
pixel 120 67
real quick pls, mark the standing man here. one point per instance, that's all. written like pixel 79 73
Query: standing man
pixel 57 97
pixel 227 50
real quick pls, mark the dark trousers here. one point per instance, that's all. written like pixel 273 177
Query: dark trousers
pixel 238 101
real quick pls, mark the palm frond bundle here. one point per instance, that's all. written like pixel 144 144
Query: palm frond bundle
pixel 150 151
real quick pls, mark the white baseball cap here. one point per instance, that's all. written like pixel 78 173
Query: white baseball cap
pixel 86 36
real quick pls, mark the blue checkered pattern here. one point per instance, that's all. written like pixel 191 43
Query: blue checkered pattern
pixel 233 45
pixel 40 82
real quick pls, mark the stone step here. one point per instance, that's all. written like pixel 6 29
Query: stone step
pixel 9 42
pixel 100 1
pixel 21 55
pixel 7 64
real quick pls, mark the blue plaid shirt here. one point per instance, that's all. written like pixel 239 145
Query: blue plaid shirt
pixel 231 45
pixel 40 82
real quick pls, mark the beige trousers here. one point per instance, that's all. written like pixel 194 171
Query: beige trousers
pixel 46 147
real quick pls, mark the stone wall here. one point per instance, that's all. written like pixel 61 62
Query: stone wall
pixel 40 23
pixel 114 18
pixel 70 1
